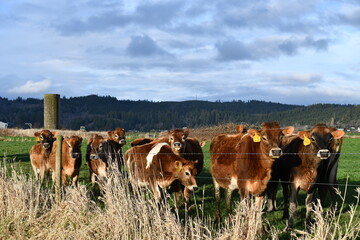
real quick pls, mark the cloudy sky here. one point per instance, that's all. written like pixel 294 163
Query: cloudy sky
pixel 299 52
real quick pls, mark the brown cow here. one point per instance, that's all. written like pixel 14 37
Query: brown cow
pixel 182 145
pixel 40 152
pixel 96 159
pixel 71 159
pixel 116 141
pixel 155 165
pixel 298 167
pixel 244 161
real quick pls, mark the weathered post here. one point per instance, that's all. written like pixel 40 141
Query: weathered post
pixel 58 179
pixel 51 111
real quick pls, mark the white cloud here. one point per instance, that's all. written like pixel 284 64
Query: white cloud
pixel 31 87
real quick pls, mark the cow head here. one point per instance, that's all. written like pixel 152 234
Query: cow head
pixel 118 135
pixel 186 172
pixel 177 139
pixel 46 138
pixel 320 139
pixel 74 145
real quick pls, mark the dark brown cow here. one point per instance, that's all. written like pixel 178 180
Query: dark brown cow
pixel 116 141
pixel 328 171
pixel 156 166
pixel 96 159
pixel 298 167
pixel 70 161
pixel 244 161
pixel 40 152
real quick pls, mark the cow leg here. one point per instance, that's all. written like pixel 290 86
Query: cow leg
pixel 285 187
pixel 271 193
pixel 293 206
pixel 228 197
pixel 217 201
pixel 308 201
pixel 333 186
pixel 259 203
pixel 64 177
pixel 93 180
pixel 75 180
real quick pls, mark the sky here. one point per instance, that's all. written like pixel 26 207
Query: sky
pixel 296 52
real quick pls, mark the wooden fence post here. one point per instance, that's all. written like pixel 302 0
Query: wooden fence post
pixel 59 139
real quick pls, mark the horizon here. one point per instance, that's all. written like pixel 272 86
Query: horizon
pixel 290 52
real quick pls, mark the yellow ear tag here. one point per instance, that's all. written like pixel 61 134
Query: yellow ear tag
pixel 37 139
pixel 306 141
pixel 178 168
pixel 256 138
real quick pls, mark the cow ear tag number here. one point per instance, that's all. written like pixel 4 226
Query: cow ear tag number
pixel 306 141
pixel 256 138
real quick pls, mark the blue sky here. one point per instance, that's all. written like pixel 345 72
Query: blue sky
pixel 299 52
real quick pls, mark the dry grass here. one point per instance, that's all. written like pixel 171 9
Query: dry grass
pixel 28 211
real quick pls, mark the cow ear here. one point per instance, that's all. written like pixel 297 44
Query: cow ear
pixel 186 132
pixel 110 133
pixel 54 134
pixel 178 166
pixel 255 135
pixel 338 134
pixel 37 134
pixel 303 134
pixel 288 131
pixel 240 128
pixel 203 143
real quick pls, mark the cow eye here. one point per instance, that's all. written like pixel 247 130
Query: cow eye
pixel 171 139
pixel 117 136
pixel 187 173
pixel 331 139
pixel 264 138
pixel 313 139
pixel 100 146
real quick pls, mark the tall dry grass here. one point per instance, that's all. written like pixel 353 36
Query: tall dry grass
pixel 28 211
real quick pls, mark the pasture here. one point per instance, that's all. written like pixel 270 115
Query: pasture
pixel 15 159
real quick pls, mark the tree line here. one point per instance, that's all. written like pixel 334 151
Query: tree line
pixel 105 112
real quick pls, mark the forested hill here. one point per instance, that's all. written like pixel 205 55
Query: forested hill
pixel 105 113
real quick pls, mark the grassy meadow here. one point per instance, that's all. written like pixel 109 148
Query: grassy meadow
pixel 195 224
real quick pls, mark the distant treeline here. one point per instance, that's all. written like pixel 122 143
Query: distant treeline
pixel 105 113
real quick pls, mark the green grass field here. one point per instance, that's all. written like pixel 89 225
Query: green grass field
pixel 15 151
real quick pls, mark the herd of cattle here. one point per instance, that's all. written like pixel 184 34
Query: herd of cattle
pixel 253 161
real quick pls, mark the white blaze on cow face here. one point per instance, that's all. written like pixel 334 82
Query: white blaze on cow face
pixel 154 151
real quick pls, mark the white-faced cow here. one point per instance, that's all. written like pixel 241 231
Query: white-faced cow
pixel 298 167
pixel 244 161
pixel 40 152
pixel 70 161
pixel 155 165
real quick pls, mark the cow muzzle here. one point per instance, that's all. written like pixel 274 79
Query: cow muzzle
pixel 94 156
pixel 193 188
pixel 122 142
pixel 46 145
pixel 275 152
pixel 75 155
pixel 177 146
pixel 323 154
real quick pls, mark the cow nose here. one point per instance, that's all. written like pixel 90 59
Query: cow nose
pixel 275 152
pixel 93 156
pixel 46 145
pixel 177 144
pixel 122 141
pixel 323 154
pixel 75 155
pixel 195 188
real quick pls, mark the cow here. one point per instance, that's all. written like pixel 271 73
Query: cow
pixel 328 170
pixel 40 152
pixel 116 140
pixel 298 167
pixel 70 161
pixel 244 161
pixel 96 159
pixel 155 165
pixel 184 146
